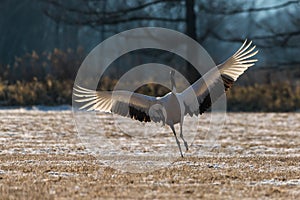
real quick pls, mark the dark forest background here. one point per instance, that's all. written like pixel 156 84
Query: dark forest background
pixel 43 43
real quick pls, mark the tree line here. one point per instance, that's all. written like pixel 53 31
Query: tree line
pixel 45 41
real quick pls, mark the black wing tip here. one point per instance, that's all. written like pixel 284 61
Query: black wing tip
pixel 138 115
pixel 228 81
pixel 207 102
pixel 128 110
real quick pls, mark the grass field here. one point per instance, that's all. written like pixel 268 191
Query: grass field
pixel 257 156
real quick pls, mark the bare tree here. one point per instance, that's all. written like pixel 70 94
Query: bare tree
pixel 274 27
pixel 203 20
pixel 92 13
pixel 289 10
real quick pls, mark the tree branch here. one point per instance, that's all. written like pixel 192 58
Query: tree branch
pixel 95 12
pixel 111 21
pixel 262 37
pixel 238 11
pixel 95 17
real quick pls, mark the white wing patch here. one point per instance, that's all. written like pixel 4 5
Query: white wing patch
pixel 239 62
pixel 125 103
pixel 92 100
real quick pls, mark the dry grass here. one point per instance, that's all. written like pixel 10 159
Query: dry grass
pixel 42 158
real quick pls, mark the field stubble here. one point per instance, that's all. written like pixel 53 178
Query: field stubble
pixel 257 156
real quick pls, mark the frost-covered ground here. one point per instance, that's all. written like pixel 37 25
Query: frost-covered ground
pixel 255 155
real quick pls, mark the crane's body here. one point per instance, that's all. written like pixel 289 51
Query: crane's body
pixel 171 108
pixel 173 104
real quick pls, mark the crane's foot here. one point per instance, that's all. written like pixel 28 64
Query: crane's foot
pixel 177 141
pixel 186 145
pixel 184 142
pixel 178 144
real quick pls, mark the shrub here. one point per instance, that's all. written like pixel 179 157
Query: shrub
pixel 47 79
pixel 59 64
pixel 280 97
pixel 52 92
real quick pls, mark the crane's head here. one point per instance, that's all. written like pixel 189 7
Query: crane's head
pixel 173 85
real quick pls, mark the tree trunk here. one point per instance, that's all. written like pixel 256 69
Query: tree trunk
pixel 190 23
pixel 190 19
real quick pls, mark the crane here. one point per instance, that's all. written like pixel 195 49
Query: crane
pixel 171 108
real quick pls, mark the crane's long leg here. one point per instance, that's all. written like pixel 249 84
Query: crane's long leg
pixel 181 136
pixel 177 141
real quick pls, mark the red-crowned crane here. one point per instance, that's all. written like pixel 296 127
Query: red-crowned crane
pixel 171 108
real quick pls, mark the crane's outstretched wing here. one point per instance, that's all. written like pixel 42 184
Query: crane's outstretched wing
pixel 125 103
pixel 197 98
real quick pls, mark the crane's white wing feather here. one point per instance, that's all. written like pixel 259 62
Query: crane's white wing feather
pixel 197 99
pixel 124 103
pixel 239 62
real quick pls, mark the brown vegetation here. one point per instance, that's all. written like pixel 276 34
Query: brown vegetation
pixel 280 97
pixel 47 79
pixel 48 92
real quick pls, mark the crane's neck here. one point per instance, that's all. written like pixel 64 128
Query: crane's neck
pixel 173 84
